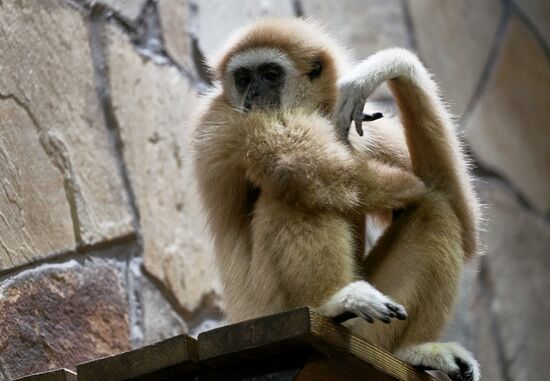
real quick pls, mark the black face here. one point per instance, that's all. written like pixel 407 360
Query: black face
pixel 261 86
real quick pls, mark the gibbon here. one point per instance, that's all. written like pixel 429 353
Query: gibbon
pixel 286 193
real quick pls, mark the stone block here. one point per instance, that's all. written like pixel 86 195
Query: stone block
pixel 508 130
pixel 174 19
pixel 59 315
pixel 538 12
pixel 157 319
pixel 127 9
pixel 215 20
pixel 363 26
pixel 47 89
pixel 35 215
pixel 518 264
pixel 454 39
pixel 153 106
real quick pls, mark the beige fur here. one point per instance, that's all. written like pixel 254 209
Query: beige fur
pixel 294 245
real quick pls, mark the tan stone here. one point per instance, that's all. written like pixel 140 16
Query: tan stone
pixel 45 67
pixel 363 26
pixel 35 217
pixel 174 22
pixel 153 105
pixel 60 315
pixel 518 264
pixel 454 39
pixel 128 9
pixel 508 129
pixel 217 19
pixel 538 11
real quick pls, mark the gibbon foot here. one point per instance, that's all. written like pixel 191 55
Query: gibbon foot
pixel 362 300
pixel 449 358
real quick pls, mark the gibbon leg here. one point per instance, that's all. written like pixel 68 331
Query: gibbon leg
pixel 417 262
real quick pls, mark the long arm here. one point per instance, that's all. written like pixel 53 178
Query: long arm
pixel 296 157
pixel 418 260
pixel 435 151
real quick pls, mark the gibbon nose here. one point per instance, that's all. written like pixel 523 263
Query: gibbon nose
pixel 252 95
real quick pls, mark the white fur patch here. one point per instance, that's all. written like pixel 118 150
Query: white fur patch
pixel 254 57
pixel 440 356
pixel 362 299
pixel 357 85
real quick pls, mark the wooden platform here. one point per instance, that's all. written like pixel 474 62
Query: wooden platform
pixel 297 345
pixel 55 375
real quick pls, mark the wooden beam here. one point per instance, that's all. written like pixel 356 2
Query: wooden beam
pixel 175 357
pixel 301 327
pixel 54 375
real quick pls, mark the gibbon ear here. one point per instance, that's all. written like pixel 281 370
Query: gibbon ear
pixel 316 69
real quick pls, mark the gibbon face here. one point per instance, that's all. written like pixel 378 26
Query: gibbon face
pixel 280 64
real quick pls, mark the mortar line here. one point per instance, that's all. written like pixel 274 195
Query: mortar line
pixel 490 63
pixel 64 256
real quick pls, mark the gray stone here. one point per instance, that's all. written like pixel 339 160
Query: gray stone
pixel 47 87
pixel 153 106
pixel 364 26
pixel 174 19
pixel 60 315
pixel 508 130
pixel 215 20
pixel 538 11
pixel 158 320
pixel 35 217
pixel 485 332
pixel 518 265
pixel 128 9
pixel 454 39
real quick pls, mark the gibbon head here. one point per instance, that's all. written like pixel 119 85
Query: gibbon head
pixel 281 64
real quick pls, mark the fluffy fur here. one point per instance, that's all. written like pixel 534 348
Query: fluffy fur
pixel 286 197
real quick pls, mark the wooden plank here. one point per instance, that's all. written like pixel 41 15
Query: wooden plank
pixel 281 367
pixel 254 338
pixel 175 357
pixel 330 369
pixel 298 328
pixel 55 375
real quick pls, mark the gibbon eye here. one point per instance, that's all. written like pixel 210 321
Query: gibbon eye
pixel 316 69
pixel 271 76
pixel 243 81
pixel 242 78
pixel 270 73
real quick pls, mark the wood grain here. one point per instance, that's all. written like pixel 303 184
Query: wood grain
pixel 170 358
pixel 55 375
pixel 302 327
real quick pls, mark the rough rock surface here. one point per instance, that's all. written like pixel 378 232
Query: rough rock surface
pixel 538 12
pixel 60 315
pixel 153 106
pixel 454 40
pixel 28 206
pixel 213 21
pixel 363 26
pixel 517 258
pixel 505 129
pixel 174 19
pixel 46 69
pixel 128 9
pixel 157 320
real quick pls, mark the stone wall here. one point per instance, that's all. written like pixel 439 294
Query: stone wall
pixel 102 246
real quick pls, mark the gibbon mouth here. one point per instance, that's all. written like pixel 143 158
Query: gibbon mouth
pixel 249 105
